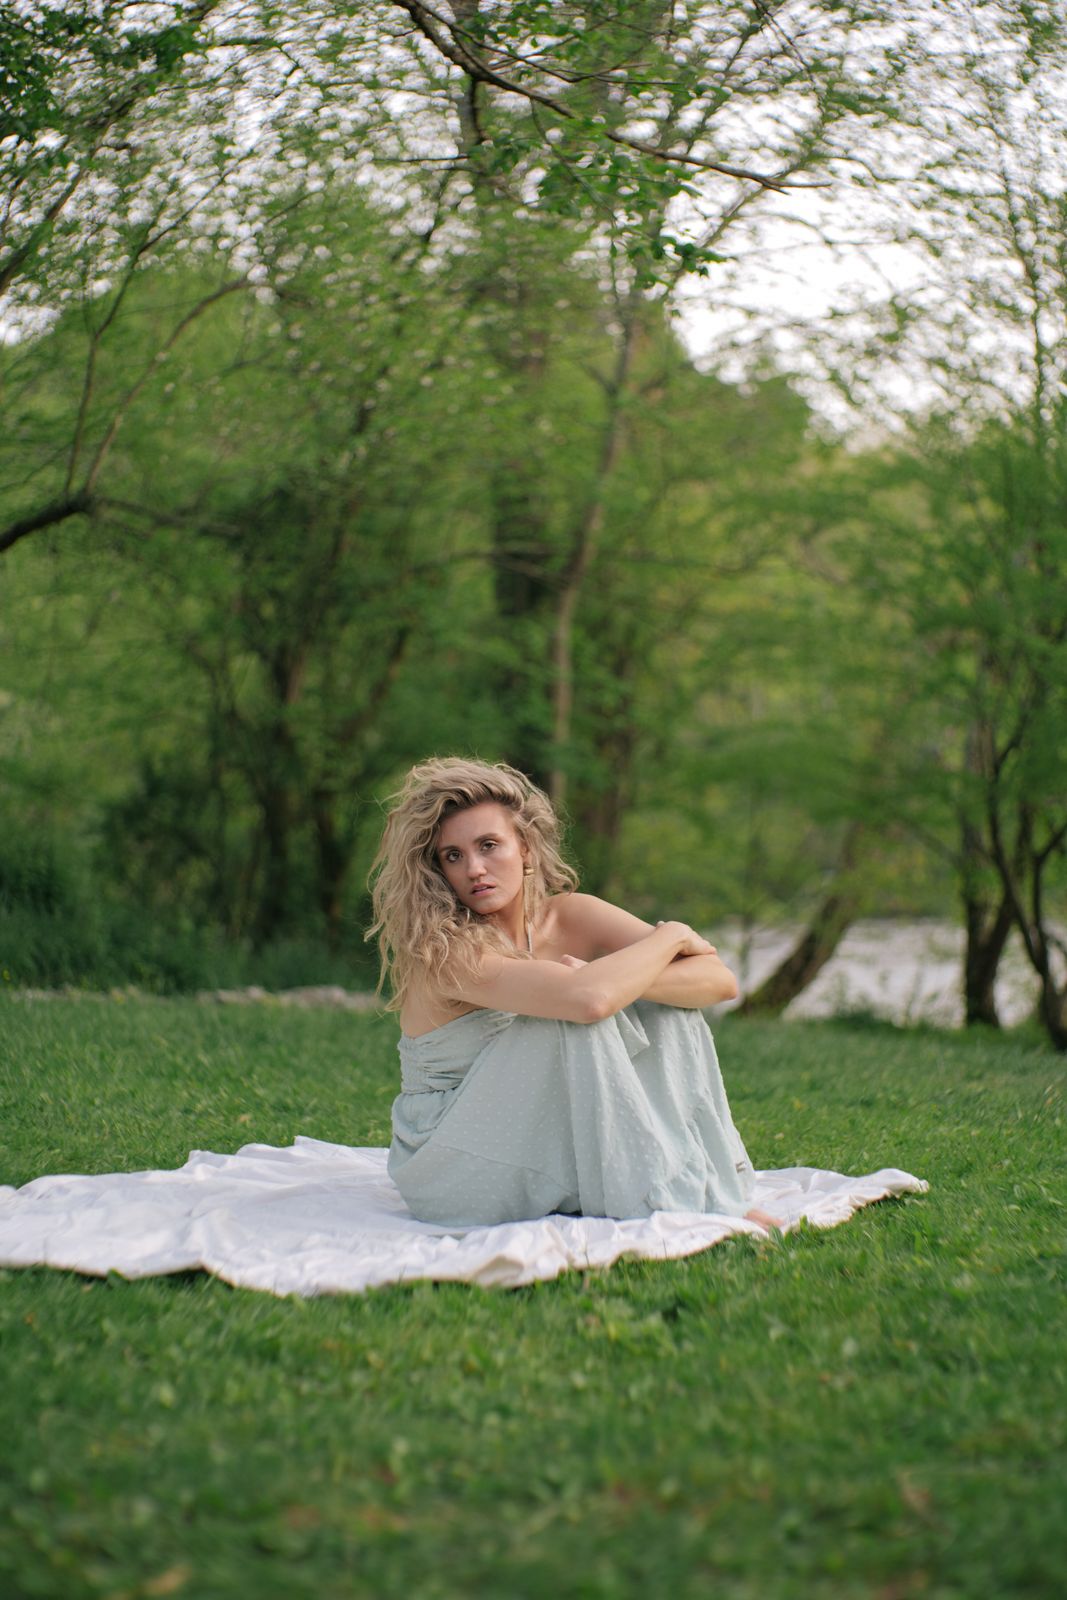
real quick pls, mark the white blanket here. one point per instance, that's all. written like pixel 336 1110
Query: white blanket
pixel 317 1218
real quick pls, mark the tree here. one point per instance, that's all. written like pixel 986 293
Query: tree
pixel 978 583
pixel 969 191
pixel 547 107
pixel 279 518
pixel 74 89
pixel 126 136
pixel 998 166
pixel 114 152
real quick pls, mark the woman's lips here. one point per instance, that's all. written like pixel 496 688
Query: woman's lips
pixel 483 888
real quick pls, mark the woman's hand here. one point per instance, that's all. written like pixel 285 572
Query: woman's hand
pixel 692 942
pixel 572 961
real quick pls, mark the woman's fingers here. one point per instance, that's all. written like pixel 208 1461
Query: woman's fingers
pixel 697 946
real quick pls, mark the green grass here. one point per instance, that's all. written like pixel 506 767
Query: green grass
pixel 877 1411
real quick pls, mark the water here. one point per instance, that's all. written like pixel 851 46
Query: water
pixel 904 972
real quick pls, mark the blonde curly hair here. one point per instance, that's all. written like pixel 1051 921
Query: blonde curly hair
pixel 421 926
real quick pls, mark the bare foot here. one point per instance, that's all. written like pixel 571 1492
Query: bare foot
pixel 764 1218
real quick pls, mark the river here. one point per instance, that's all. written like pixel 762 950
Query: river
pixel 904 972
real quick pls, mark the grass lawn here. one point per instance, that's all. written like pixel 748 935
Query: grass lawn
pixel 875 1411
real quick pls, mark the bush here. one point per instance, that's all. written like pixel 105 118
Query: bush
pixel 36 874
pixel 293 962
pixel 96 946
pixel 59 926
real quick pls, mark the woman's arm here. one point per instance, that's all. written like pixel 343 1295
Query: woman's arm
pixel 693 981
pixel 598 927
pixel 586 993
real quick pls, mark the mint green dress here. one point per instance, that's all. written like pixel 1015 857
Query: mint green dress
pixel 504 1117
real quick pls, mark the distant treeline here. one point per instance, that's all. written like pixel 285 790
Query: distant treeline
pixel 305 475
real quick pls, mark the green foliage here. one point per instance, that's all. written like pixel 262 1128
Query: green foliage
pixel 334 431
pixel 314 569
pixel 966 573
pixel 74 938
pixel 106 946
pixel 606 116
pixel 35 874
pixel 97 116
pixel 876 1408
pixel 65 921
pixel 56 927
pixel 55 59
pixel 32 52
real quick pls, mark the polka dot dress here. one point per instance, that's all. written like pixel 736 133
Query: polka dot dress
pixel 504 1117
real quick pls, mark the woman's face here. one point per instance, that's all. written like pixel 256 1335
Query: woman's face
pixel 482 857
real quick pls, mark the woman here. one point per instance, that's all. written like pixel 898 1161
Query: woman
pixel 553 1054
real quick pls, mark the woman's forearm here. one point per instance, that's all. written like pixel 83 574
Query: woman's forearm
pixel 576 991
pixel 616 980
pixel 693 981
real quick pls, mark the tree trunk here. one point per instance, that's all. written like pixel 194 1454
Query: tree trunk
pixel 584 544
pixel 522 573
pixel 597 818
pixel 522 590
pixel 1025 864
pixel 821 938
pixel 333 861
pixel 1053 1012
pixel 1040 945
pixel 274 895
pixel 277 782
pixel 987 929
pixel 987 934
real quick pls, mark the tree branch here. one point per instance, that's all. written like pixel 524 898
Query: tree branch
pixel 104 448
pixel 444 40
pixel 48 516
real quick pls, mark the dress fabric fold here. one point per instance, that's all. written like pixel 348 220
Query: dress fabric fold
pixel 503 1118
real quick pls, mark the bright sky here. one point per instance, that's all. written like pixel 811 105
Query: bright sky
pixel 789 280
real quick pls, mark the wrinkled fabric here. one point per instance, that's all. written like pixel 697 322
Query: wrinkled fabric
pixel 504 1118
pixel 315 1218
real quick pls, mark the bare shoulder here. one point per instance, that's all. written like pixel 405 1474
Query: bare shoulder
pixel 580 909
pixel 590 926
pixel 569 909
